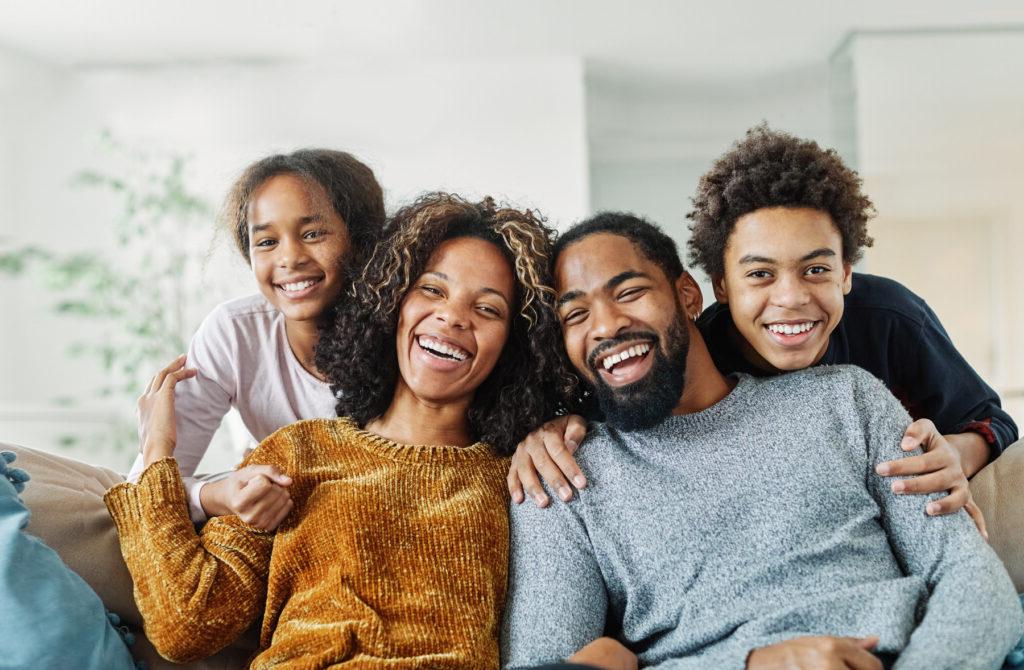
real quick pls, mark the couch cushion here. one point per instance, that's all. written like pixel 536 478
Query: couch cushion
pixel 999 491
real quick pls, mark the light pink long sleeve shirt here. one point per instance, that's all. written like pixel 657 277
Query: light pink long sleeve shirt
pixel 244 361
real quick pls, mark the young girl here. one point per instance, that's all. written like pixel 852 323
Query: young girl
pixel 394 544
pixel 299 220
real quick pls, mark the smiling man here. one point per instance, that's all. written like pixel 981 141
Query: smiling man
pixel 733 522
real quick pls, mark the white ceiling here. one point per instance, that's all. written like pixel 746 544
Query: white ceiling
pixel 684 40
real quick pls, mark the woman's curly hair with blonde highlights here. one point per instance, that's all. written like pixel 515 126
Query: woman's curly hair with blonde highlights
pixel 769 168
pixel 529 383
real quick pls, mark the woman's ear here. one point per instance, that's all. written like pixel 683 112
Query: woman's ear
pixel 690 296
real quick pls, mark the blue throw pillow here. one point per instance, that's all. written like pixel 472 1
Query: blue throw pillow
pixel 51 618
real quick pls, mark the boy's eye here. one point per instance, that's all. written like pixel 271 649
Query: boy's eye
pixel 818 269
pixel 759 274
pixel 314 234
pixel 266 242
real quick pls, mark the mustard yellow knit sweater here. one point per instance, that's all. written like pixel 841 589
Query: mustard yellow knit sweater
pixel 394 556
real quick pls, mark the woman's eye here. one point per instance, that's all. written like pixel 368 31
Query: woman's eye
pixel 432 290
pixel 491 311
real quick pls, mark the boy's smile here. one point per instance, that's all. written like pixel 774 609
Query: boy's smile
pixel 784 283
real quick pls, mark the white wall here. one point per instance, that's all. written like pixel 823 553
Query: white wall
pixel 650 140
pixel 512 130
pixel 940 141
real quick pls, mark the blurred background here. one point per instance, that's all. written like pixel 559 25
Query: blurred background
pixel 123 123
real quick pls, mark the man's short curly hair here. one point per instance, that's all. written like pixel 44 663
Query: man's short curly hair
pixel 529 383
pixel 769 168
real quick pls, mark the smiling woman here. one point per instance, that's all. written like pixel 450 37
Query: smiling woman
pixel 443 355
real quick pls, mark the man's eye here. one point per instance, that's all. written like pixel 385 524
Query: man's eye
pixel 632 293
pixel 818 270
pixel 759 274
pixel 575 316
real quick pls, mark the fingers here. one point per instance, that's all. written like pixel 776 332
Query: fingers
pixel 555 463
pixel 918 433
pixel 979 519
pixel 271 472
pixel 515 487
pixel 261 503
pixel 856 653
pixel 934 482
pixel 916 465
pixel 869 642
pixel 532 485
pixel 575 431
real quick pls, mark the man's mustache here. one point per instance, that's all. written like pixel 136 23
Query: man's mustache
pixel 630 336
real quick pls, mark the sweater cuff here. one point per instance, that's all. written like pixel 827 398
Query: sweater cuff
pixel 157 497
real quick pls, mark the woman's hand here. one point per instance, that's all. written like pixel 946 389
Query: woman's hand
pixel 940 468
pixel 257 494
pixel 607 654
pixel 548 449
pixel 157 433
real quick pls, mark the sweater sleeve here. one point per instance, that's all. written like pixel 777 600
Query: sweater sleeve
pixel 196 592
pixel 973 617
pixel 201 402
pixel 557 601
pixel 947 390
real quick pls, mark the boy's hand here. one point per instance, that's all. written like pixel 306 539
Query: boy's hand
pixel 938 469
pixel 257 494
pixel 155 411
pixel 817 653
pixel 607 654
pixel 548 449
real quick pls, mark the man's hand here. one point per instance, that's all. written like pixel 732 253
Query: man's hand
pixel 817 653
pixel 940 468
pixel 548 449
pixel 155 411
pixel 257 494
pixel 607 654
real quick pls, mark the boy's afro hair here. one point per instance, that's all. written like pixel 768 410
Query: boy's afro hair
pixel 769 168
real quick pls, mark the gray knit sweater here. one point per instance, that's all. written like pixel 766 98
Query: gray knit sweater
pixel 756 520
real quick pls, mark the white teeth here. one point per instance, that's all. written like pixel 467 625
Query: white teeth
pixel 791 329
pixel 430 344
pixel 638 350
pixel 299 285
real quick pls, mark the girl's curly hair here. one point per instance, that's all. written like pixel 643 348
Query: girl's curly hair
pixel 529 382
pixel 768 168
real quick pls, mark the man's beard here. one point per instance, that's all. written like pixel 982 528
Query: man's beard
pixel 647 401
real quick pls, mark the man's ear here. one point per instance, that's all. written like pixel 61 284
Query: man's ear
pixel 847 278
pixel 718 286
pixel 689 294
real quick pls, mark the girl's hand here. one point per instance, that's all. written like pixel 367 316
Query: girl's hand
pixel 155 412
pixel 607 654
pixel 257 494
pixel 548 449
pixel 938 469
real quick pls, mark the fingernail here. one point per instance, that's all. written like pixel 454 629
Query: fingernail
pixel 517 497
pixel 882 469
pixel 580 481
pixel 933 508
pixel 572 445
pixel 898 487
pixel 541 499
pixel 565 493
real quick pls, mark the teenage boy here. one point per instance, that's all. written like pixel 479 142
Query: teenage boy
pixel 777 224
pixel 733 522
